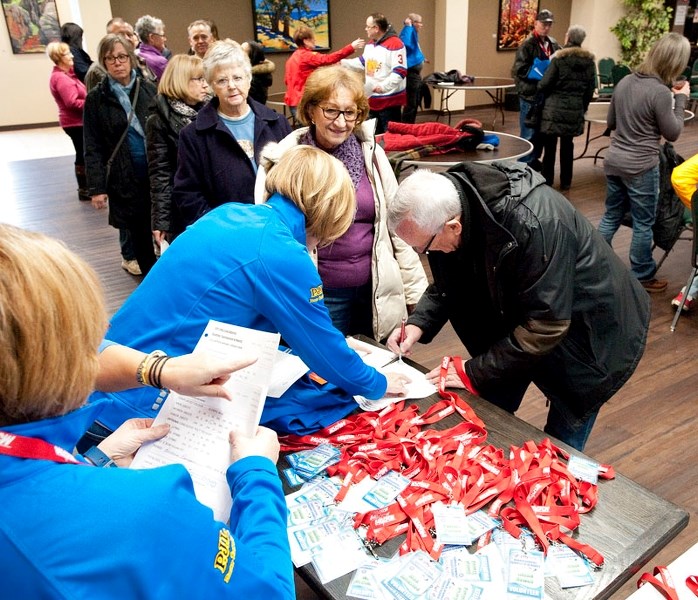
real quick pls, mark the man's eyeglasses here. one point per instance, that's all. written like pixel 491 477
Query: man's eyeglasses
pixel 333 114
pixel 426 248
pixel 119 58
pixel 225 81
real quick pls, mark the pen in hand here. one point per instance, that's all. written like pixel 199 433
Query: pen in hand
pixel 402 338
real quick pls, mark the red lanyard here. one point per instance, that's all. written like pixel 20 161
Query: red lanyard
pixel 531 487
pixel 662 581
pixel 26 447
pixel 545 47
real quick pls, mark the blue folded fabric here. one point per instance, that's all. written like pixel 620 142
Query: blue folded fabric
pixel 491 138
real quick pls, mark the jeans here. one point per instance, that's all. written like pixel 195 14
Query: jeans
pixel 528 133
pixel 350 309
pixel 127 251
pixel 640 193
pixel 561 422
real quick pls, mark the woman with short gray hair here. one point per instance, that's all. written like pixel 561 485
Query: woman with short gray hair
pixel 219 152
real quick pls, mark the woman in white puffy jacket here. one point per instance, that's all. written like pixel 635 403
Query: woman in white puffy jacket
pixel 371 278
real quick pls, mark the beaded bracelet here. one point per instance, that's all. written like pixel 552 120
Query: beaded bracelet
pixel 145 368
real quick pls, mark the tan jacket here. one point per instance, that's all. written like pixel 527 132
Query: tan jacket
pixel 397 273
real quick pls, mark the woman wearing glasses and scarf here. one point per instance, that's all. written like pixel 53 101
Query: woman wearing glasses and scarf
pixel 219 152
pixel 115 156
pixel 371 278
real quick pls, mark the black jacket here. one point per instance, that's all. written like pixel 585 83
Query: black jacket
pixel 568 86
pixel 526 52
pixel 104 121
pixel 534 292
pixel 162 133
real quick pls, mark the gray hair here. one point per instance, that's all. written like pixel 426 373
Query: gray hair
pixel 147 25
pixel 576 35
pixel 426 198
pixel 226 53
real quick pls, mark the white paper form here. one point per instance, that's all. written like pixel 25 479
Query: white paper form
pixel 417 388
pixel 199 427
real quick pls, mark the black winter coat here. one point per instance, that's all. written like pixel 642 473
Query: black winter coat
pixel 530 48
pixel 534 292
pixel 568 86
pixel 162 133
pixel 104 121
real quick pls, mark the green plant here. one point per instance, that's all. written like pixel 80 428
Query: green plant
pixel 643 24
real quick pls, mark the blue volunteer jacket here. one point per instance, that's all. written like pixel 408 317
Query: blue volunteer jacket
pixel 246 265
pixel 78 531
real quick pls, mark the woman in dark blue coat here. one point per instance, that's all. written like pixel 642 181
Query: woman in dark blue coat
pixel 218 154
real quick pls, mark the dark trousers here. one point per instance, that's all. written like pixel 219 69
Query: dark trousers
pixel 566 158
pixel 75 135
pixel 384 116
pixel 414 85
pixel 142 243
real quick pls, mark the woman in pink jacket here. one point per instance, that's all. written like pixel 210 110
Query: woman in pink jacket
pixel 69 93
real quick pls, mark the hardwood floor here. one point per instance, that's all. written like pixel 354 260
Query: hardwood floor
pixel 647 431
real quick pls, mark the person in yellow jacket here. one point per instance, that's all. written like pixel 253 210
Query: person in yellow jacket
pixel 684 179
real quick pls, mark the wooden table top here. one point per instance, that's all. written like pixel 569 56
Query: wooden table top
pixel 628 526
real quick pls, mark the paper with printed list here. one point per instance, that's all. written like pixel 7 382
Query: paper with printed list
pixel 198 437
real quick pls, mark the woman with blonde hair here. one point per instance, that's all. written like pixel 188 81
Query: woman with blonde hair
pixel 250 264
pixel 69 93
pixel 646 106
pixel 52 320
pixel 371 278
pixel 182 93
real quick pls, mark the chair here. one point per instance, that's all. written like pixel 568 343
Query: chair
pixel 618 72
pixel 694 260
pixel 605 66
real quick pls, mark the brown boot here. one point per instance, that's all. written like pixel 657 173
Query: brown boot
pixel 83 193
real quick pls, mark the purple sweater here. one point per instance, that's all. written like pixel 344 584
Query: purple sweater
pixel 347 261
pixel 153 58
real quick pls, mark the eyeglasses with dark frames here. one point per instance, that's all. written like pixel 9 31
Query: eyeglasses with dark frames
pixel 333 114
pixel 120 58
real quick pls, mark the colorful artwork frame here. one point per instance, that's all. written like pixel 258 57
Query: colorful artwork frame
pixel 276 21
pixel 516 18
pixel 31 24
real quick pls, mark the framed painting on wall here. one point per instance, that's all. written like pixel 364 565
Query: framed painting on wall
pixel 516 18
pixel 276 22
pixel 32 24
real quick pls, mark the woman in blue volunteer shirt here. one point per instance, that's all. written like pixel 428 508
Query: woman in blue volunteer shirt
pixel 69 529
pixel 249 265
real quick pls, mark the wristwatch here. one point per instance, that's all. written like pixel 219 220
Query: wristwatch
pixel 98 458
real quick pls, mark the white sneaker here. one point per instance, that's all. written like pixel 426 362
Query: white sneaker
pixel 131 266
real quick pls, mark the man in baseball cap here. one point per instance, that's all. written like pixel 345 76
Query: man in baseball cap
pixel 545 16
pixel 538 45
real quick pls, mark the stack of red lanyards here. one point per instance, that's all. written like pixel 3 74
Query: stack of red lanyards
pixel 455 465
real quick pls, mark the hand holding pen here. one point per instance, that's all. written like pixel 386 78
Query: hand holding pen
pixel 403 338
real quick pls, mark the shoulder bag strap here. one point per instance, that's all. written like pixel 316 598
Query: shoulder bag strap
pixel 128 124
